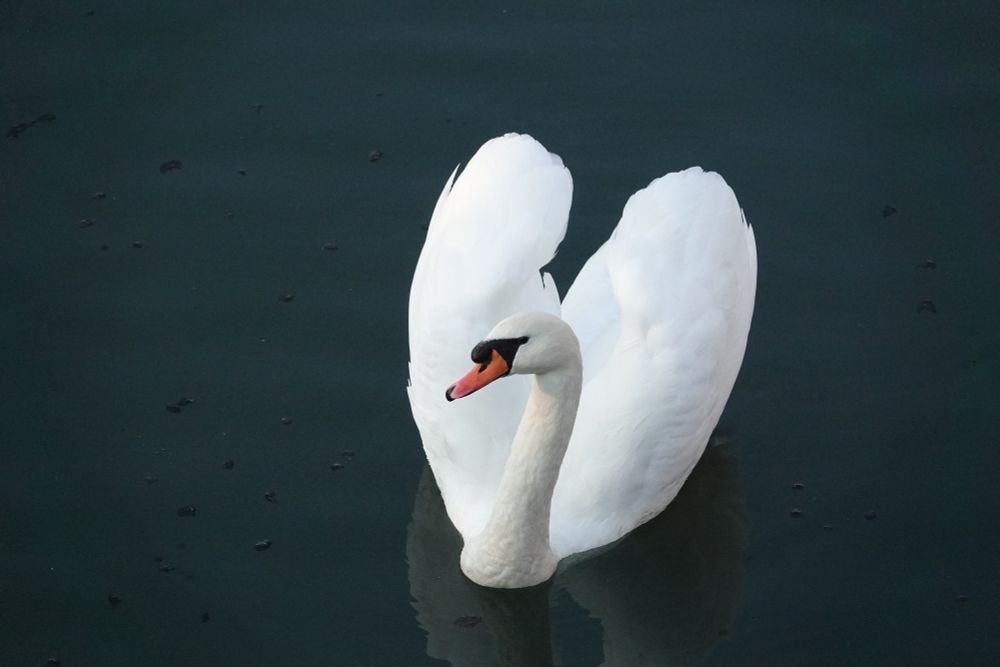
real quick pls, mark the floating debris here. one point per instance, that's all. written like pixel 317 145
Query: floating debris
pixel 271 497
pixel 336 466
pixel 468 621
pixel 927 264
pixel 263 545
pixel 229 464
pixel 286 421
pixel 187 510
pixel 205 618
pixel 170 165
pixel 100 194
pixel 17 130
pixel 330 246
pixel 138 244
pixel 176 406
pixel 888 210
pixel 798 486
pixel 375 155
pixel 52 662
pixel 114 599
pixel 286 297
pixel 229 215
pixel 870 514
pixel 827 527
pixel 926 306
pixel 349 453
pixel 795 513
pixel 167 567
pixel 84 223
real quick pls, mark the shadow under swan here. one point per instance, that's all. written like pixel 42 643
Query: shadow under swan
pixel 663 595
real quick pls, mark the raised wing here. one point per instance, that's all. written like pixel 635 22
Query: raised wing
pixel 662 312
pixel 491 232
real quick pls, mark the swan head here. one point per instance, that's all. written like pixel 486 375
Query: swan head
pixel 522 344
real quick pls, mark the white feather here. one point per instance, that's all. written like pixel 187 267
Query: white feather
pixel 661 310
pixel 492 230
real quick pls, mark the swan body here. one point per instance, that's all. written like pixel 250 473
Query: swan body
pixel 612 393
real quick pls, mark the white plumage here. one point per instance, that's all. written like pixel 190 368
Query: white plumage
pixel 661 311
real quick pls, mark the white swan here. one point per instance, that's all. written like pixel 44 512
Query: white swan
pixel 651 338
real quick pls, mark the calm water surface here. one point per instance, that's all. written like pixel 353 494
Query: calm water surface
pixel 212 283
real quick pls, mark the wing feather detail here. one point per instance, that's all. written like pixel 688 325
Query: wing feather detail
pixel 662 312
pixel 493 228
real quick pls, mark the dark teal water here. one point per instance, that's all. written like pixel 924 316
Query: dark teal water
pixel 819 115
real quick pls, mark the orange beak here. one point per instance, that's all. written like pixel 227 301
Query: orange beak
pixel 478 377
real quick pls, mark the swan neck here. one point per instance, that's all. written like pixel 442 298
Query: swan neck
pixel 513 550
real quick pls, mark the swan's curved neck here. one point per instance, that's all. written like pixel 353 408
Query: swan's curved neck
pixel 513 549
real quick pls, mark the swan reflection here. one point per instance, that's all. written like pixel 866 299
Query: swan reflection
pixel 664 595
